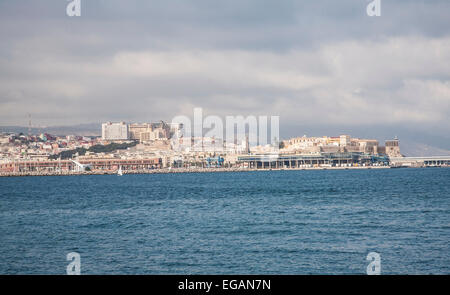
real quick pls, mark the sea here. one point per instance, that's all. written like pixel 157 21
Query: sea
pixel 261 222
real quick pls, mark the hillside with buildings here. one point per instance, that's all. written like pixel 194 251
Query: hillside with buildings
pixel 140 147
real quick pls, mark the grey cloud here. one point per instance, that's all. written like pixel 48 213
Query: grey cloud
pixel 312 62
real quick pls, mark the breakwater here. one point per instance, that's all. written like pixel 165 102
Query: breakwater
pixel 174 170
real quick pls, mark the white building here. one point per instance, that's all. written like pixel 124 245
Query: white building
pixel 115 131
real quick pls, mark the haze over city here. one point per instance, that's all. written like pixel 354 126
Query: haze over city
pixel 324 67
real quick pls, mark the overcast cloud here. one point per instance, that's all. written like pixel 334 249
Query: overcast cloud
pixel 323 66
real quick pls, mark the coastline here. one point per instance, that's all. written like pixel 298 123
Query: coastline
pixel 181 170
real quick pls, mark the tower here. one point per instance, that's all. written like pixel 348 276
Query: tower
pixel 393 148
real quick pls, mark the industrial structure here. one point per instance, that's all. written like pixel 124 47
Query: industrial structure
pixel 280 161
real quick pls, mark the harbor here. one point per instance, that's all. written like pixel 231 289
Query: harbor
pixel 192 170
pixel 159 148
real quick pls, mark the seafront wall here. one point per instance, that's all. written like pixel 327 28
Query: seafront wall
pixel 175 170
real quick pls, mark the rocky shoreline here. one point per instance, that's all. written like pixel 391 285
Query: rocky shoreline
pixel 177 170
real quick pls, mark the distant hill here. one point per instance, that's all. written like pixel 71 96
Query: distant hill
pixel 91 129
pixel 417 149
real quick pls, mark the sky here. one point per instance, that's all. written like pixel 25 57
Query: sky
pixel 324 67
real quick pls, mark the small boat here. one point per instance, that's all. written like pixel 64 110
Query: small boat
pixel 119 172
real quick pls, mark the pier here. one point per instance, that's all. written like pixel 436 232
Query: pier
pixel 320 160
pixel 421 161
pixel 62 166
pixel 176 170
pixel 330 161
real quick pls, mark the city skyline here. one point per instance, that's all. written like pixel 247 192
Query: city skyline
pixel 323 67
pixel 409 147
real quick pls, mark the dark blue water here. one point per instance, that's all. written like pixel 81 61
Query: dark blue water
pixel 280 222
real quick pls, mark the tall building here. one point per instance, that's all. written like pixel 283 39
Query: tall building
pixel 115 131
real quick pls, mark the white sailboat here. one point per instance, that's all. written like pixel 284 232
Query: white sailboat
pixel 119 172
